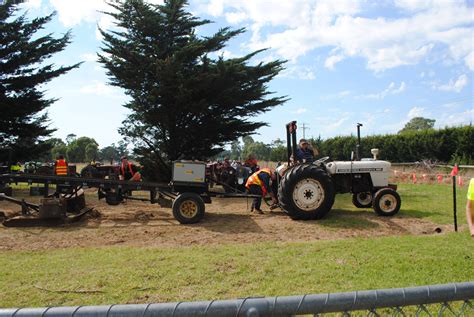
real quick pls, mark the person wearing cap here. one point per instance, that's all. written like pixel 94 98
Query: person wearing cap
pixel 304 153
pixel 470 207
pixel 251 162
pixel 129 171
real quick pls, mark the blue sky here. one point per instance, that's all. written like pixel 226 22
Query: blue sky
pixel 380 63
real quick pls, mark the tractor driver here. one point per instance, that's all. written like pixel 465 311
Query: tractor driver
pixel 259 184
pixel 129 171
pixel 304 153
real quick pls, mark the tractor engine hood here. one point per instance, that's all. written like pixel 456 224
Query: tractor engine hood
pixel 379 170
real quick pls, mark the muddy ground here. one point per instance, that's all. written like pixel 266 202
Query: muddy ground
pixel 226 221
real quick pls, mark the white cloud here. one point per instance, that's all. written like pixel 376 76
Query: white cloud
pixel 392 89
pixel 100 89
pixel 89 57
pixel 235 17
pixel 339 95
pixel 454 85
pixel 298 72
pixel 306 25
pixel 470 61
pixel 300 111
pixel 71 13
pixel 333 60
pixel 74 12
pixel 31 4
pixel 455 119
pixel 414 5
pixel 416 112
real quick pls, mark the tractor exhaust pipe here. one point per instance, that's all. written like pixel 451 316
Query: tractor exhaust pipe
pixel 358 147
pixel 291 141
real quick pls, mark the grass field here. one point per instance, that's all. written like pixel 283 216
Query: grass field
pixel 107 275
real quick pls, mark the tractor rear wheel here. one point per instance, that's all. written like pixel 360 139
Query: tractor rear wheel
pixel 386 202
pixel 188 208
pixel 306 192
pixel 362 200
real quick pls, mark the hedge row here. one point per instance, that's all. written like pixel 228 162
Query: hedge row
pixel 455 145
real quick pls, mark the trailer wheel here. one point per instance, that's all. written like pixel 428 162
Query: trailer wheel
pixel 386 202
pixel 362 200
pixel 188 208
pixel 113 198
pixel 306 192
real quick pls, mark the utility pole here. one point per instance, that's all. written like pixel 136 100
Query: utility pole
pixel 304 128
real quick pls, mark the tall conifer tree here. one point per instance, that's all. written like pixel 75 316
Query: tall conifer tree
pixel 186 102
pixel 23 71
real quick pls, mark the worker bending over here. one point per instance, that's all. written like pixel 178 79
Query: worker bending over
pixel 259 184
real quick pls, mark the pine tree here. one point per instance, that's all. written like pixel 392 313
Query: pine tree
pixel 23 70
pixel 185 104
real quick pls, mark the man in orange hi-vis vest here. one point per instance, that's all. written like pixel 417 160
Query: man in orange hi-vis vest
pixel 60 167
pixel 129 171
pixel 259 184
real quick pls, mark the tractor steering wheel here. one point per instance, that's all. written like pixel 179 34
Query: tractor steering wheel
pixel 321 160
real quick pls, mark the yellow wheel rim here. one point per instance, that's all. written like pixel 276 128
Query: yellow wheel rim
pixel 188 209
pixel 388 203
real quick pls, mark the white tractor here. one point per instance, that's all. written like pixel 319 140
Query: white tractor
pixel 307 190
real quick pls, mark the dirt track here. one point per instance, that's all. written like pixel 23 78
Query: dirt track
pixel 226 221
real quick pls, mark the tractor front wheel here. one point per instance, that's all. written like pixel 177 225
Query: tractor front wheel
pixel 188 208
pixel 386 202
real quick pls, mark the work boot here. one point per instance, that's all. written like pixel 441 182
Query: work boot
pixel 259 211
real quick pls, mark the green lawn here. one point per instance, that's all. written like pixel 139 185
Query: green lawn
pixel 92 276
pixel 429 202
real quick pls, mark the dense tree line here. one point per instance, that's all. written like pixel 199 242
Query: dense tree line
pixel 84 150
pixel 454 145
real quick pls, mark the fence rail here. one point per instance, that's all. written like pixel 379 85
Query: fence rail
pixel 348 302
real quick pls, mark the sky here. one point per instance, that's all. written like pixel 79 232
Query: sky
pixel 379 63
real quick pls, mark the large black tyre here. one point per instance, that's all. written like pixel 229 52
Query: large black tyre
pixel 306 192
pixel 362 200
pixel 113 198
pixel 188 208
pixel 386 202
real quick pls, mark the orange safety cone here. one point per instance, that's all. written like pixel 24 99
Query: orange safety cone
pixel 439 178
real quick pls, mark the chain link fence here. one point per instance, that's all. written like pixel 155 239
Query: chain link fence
pixel 433 300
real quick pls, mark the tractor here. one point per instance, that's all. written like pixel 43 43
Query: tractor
pixel 306 190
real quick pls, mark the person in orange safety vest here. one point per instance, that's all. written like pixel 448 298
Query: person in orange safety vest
pixel 60 166
pixel 129 171
pixel 259 184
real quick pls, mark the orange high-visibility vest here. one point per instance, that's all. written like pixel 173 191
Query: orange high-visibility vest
pixel 61 167
pixel 129 168
pixel 255 180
